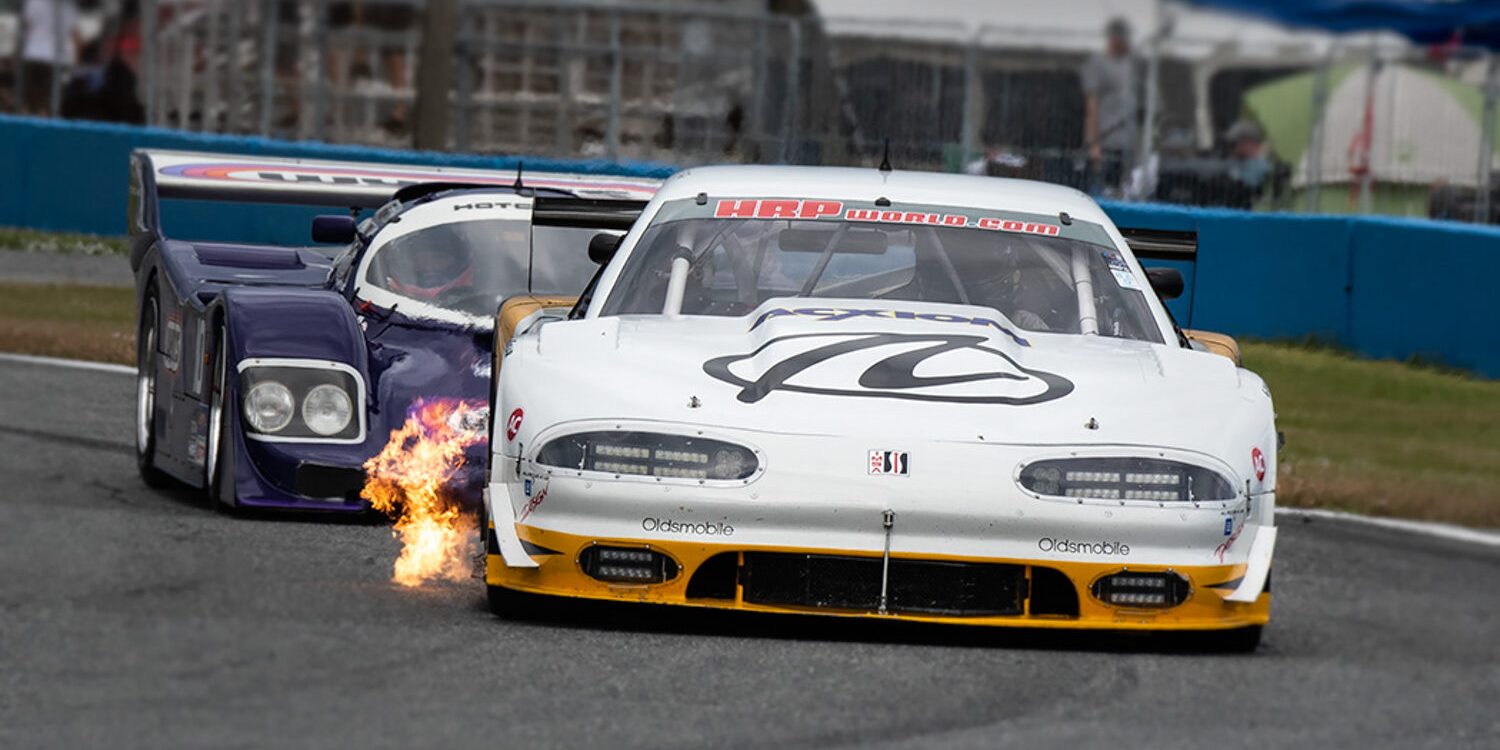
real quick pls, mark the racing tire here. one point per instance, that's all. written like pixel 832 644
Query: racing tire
pixel 145 392
pixel 218 466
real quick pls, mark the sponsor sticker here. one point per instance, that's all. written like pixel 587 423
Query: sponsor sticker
pixel 1223 548
pixel 535 501
pixel 1002 381
pixel 701 528
pixel 890 463
pixel 1075 547
pixel 792 208
pixel 1228 526
pixel 513 423
pixel 1120 269
pixel 1258 462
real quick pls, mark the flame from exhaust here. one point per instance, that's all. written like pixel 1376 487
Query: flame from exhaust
pixel 408 481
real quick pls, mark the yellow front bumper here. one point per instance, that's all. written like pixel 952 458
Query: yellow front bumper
pixel 561 575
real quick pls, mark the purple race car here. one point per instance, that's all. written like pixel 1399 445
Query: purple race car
pixel 268 375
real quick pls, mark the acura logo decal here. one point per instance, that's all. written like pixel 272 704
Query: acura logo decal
pixel 999 380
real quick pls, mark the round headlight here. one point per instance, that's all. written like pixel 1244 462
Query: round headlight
pixel 269 406
pixel 327 409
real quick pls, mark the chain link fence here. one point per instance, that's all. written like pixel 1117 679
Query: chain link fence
pixel 1341 124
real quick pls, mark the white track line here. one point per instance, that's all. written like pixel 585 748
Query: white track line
pixel 76 364
pixel 1423 528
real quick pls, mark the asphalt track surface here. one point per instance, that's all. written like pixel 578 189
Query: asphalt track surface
pixel 132 617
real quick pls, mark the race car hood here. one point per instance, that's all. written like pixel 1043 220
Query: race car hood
pixel 902 372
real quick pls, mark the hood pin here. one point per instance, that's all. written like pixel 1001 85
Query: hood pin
pixel 1092 424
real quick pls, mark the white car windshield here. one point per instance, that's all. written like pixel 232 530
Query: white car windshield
pixel 738 263
pixel 471 266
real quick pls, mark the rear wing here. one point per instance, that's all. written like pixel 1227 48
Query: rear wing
pixel 1162 244
pixel 576 199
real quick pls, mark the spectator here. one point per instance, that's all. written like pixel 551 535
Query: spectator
pixel 1111 85
pixel 1249 167
pixel 104 88
pixel 49 32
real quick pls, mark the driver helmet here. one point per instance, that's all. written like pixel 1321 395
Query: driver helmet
pixel 433 270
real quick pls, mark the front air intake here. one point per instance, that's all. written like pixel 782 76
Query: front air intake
pixel 1142 590
pixel 935 587
pixel 627 565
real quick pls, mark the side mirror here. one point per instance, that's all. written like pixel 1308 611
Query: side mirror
pixel 1166 282
pixel 603 246
pixel 333 229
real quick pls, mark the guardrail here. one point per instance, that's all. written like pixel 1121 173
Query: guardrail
pixel 1383 287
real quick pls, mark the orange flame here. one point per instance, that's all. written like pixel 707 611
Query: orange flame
pixel 408 481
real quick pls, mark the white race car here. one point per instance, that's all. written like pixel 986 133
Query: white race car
pixel 882 394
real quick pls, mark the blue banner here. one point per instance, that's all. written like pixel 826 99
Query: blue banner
pixel 1425 21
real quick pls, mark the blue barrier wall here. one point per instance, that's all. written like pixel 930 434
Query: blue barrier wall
pixel 1385 287
pixel 73 176
pixel 1381 286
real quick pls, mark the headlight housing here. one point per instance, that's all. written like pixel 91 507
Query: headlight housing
pixel 327 409
pixel 330 396
pixel 1125 478
pixel 651 455
pixel 269 407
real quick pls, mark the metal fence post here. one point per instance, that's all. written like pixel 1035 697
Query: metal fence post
pixel 973 109
pixel 212 67
pixel 148 59
pixel 463 92
pixel 1487 141
pixel 616 88
pixel 184 42
pixel 1314 155
pixel 435 75
pixel 790 151
pixel 60 44
pixel 1153 94
pixel 267 64
pixel 234 102
pixel 319 108
pixel 756 131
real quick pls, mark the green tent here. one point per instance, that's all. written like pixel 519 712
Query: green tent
pixel 1424 130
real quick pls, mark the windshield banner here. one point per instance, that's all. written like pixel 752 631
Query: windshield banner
pixel 812 209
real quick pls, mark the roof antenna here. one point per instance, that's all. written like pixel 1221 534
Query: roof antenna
pixel 517 186
pixel 885 159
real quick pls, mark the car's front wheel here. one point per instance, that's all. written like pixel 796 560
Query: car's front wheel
pixel 145 392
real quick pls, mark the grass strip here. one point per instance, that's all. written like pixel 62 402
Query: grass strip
pixel 66 243
pixel 68 320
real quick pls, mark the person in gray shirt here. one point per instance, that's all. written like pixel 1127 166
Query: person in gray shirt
pixel 1111 128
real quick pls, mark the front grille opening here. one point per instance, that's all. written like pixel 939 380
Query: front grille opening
pixel 716 578
pixel 1135 590
pixel 1052 593
pixel 627 564
pixel 915 586
pixel 319 480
